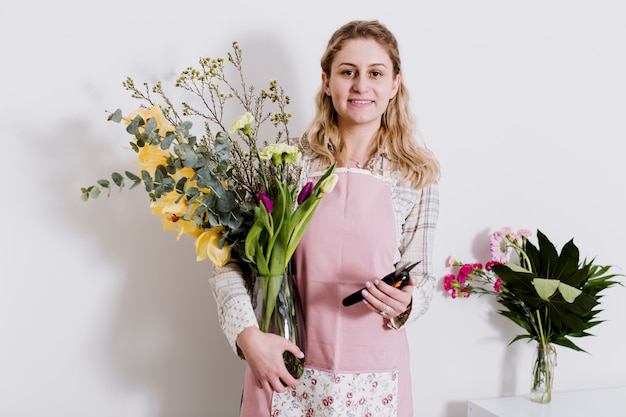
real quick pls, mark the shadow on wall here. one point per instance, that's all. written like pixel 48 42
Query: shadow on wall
pixel 163 338
pixel 504 329
pixel 163 341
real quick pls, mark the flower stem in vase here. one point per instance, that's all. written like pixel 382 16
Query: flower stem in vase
pixel 281 314
pixel 543 373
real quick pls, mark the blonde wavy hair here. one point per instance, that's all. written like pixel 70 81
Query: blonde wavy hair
pixel 397 133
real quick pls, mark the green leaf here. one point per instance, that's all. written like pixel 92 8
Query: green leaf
pixel 206 179
pixel 545 287
pixel 223 146
pixel 187 154
pixel 253 235
pixel 116 116
pixel 104 183
pixel 167 141
pixel 517 268
pixel 568 292
pixel 151 126
pixel 133 126
pixel 147 180
pixel 94 192
pixel 226 202
pixel 118 179
pixel 134 178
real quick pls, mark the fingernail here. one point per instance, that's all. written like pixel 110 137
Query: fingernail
pixel 368 284
pixel 364 293
pixel 375 282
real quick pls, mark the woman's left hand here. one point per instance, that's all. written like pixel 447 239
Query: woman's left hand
pixel 387 300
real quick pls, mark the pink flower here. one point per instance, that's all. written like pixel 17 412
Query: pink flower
pixel 489 264
pixel 447 282
pixel 504 231
pixel 465 292
pixel 263 198
pixel 450 262
pixel 499 247
pixel 497 285
pixel 465 270
pixel 306 192
pixel 477 266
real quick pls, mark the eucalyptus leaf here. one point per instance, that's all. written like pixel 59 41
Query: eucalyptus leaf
pixel 116 116
pixel 186 154
pixel 150 126
pixel 94 192
pixel 134 178
pixel 147 180
pixel 104 183
pixel 118 179
pixel 226 202
pixel 133 126
pixel 207 180
pixel 167 140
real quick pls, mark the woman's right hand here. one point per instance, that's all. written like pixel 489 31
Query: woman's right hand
pixel 264 354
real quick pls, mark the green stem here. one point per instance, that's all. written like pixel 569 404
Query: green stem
pixel 541 334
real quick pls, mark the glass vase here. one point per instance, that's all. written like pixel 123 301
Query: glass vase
pixel 544 361
pixel 279 311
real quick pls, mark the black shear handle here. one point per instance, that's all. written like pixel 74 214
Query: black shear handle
pixel 397 279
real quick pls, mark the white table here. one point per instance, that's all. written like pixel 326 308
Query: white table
pixel 609 402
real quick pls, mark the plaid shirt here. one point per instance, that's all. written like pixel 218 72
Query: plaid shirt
pixel 416 212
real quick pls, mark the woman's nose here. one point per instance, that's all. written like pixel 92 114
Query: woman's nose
pixel 360 84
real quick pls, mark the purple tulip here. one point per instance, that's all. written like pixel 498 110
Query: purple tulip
pixel 306 192
pixel 266 202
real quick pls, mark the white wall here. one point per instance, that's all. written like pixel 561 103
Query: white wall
pixel 102 314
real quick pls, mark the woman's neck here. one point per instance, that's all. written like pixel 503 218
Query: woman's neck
pixel 357 147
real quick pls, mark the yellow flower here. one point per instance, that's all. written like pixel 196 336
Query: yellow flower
pixel 189 173
pixel 150 157
pixel 184 172
pixel 163 125
pixel 189 228
pixel 171 213
pixel 167 204
pixel 207 245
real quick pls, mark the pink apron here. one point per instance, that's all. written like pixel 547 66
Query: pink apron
pixel 354 362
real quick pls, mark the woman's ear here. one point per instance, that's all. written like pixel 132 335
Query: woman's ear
pixel 325 84
pixel 395 86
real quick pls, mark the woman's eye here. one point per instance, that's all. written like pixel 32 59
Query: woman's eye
pixel 376 74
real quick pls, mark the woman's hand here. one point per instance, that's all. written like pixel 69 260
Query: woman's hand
pixel 264 354
pixel 387 300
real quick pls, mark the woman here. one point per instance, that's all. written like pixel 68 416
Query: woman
pixel 381 216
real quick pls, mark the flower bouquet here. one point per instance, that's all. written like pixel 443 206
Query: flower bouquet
pixel 552 296
pixel 239 203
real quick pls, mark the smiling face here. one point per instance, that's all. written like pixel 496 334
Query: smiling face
pixel 361 83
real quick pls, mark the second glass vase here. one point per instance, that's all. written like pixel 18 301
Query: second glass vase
pixel 544 362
